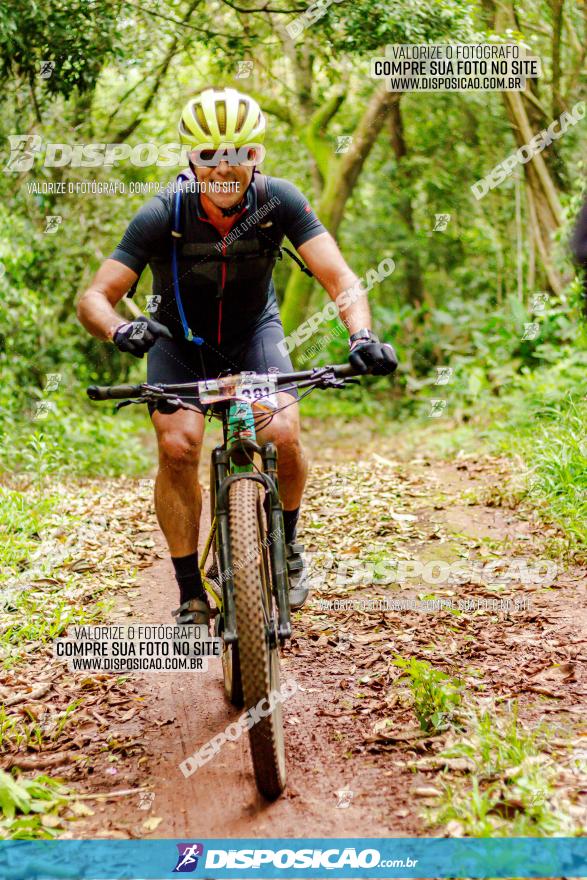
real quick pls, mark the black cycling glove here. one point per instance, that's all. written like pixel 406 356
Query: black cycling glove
pixel 140 335
pixel 369 355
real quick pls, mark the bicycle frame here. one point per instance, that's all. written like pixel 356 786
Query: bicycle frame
pixel 233 460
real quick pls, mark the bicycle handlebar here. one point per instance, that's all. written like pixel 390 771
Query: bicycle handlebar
pixel 113 392
pixel 120 392
pixel 340 371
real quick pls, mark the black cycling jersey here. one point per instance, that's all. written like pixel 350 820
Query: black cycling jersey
pixel 223 300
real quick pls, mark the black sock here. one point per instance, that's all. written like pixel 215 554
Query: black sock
pixel 290 524
pixel 188 577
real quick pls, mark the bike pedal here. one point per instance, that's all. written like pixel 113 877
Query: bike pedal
pixel 295 564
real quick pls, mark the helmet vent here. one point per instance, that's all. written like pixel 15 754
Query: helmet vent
pixel 221 116
pixel 201 117
pixel 242 115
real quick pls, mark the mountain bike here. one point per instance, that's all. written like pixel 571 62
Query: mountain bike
pixel 247 578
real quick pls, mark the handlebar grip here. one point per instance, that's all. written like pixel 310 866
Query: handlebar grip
pixel 342 371
pixel 113 392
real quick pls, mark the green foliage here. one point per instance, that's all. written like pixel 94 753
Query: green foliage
pixel 42 618
pixel 23 803
pixel 76 442
pixel 436 695
pixel 509 789
pixel 558 459
pixel 77 35
pixel 35 613
pixel 39 278
pixel 371 24
pixel 27 730
pixel 40 337
pixel 21 520
pixel 452 299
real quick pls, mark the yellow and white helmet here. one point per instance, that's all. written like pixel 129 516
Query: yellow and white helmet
pixel 221 117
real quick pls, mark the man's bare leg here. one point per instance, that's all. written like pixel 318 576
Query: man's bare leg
pixel 292 467
pixel 178 499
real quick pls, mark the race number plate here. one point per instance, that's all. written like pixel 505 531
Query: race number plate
pixel 257 388
pixel 251 387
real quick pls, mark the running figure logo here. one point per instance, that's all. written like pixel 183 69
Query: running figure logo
pixel 187 861
pixel 22 151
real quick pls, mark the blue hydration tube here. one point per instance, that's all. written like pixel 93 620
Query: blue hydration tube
pixel 176 235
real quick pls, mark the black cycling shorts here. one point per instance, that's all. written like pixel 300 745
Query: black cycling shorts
pixel 172 361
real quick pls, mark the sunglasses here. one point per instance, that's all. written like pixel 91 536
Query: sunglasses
pixel 245 155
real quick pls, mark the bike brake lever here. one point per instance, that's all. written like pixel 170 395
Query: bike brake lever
pixel 176 401
pixel 333 382
pixel 123 403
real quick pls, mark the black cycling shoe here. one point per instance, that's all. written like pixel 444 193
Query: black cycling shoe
pixel 298 574
pixel 194 611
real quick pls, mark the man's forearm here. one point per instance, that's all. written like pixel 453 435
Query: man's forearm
pixel 352 302
pixel 97 315
pixel 323 257
pixel 95 308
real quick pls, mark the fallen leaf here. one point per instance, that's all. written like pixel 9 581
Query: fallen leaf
pixel 81 565
pixel 426 791
pixel 35 694
pixel 546 692
pixel 403 735
pixel 440 763
pixel 79 809
pixel 49 820
pixel 403 517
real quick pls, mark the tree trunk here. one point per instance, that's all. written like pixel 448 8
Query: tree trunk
pixel 543 201
pixel 557 26
pixel 344 175
pixel 340 181
pixel 411 256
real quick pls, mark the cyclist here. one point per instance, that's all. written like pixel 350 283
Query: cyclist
pixel 217 311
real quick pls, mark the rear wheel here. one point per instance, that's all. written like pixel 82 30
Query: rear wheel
pixel 231 671
pixel 259 661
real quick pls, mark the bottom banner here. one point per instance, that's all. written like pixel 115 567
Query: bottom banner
pixel 313 857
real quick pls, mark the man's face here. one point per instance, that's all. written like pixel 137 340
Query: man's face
pixel 238 176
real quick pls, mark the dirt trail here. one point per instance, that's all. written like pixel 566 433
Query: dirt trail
pixel 358 764
pixel 341 664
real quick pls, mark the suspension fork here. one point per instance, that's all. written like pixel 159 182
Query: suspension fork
pixel 220 465
pixel 276 535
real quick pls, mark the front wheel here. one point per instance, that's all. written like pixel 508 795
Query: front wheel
pixel 259 660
